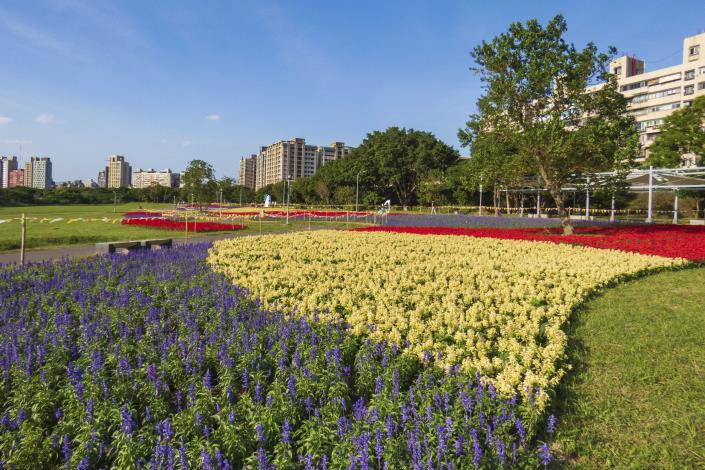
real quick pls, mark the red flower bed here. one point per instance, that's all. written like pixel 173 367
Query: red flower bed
pixel 167 224
pixel 673 241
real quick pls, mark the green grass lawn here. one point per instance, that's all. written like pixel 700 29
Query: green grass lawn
pixel 636 395
pixel 45 234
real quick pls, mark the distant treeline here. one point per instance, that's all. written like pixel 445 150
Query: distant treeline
pixel 21 196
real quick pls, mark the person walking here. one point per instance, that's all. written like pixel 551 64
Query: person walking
pixel 433 207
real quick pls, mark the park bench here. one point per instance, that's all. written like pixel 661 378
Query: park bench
pixel 127 246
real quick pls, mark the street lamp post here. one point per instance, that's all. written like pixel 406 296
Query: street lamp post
pixel 288 191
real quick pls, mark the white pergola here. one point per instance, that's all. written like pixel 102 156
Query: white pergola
pixel 639 180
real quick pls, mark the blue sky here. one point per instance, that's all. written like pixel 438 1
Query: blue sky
pixel 163 82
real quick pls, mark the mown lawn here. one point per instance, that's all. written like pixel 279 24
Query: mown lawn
pixel 636 396
pixel 61 233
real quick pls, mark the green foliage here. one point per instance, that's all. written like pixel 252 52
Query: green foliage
pixel 537 108
pixel 199 183
pixel 682 132
pixel 65 196
pixel 391 164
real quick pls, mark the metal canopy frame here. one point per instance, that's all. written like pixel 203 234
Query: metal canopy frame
pixel 656 179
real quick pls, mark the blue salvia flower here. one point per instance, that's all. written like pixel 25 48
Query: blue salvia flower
pixel 501 451
pixel 206 461
pixel 286 432
pixel 260 432
pixel 207 380
pixel 545 454
pixel 476 449
pixel 551 425
pixel 379 385
pixel 262 459
pixel 127 423
pixel 291 386
pixel 520 429
pixel 66 448
pixel 183 461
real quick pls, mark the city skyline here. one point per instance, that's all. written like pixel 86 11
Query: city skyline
pixel 164 86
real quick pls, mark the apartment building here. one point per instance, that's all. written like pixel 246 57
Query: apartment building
pixel 146 178
pixel 16 178
pixel 119 172
pixel 7 165
pixel 247 175
pixel 37 173
pixel 653 95
pixel 294 159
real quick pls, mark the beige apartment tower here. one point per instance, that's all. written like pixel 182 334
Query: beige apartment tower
pixel 294 159
pixel 119 172
pixel 247 175
pixel 653 95
pixel 146 178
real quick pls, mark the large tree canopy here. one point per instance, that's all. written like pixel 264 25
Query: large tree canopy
pixel 396 161
pixel 537 103
pixel 682 132
pixel 199 182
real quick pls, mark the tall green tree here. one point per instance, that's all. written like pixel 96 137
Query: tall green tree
pixel 536 93
pixel 199 183
pixel 400 159
pixel 682 132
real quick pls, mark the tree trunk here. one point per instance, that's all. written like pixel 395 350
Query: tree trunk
pixel 554 188
pixel 495 202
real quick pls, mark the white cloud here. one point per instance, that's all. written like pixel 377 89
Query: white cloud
pixel 4 120
pixel 45 118
pixel 186 143
pixel 213 117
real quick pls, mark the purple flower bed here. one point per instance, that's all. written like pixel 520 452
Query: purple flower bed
pixel 152 360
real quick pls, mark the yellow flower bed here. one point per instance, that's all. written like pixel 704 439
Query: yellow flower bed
pixel 497 306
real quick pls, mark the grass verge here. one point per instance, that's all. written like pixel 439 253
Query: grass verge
pixel 636 395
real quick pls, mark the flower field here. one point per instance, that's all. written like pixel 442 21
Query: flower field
pixel 487 305
pixel 152 360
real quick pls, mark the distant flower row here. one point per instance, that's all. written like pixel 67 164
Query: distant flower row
pixel 193 226
pixel 674 241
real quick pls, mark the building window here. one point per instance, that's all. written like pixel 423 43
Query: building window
pixel 689 75
pixel 618 71
pixel 701 86
pixel 689 90
pixel 694 50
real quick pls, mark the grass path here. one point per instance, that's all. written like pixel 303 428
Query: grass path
pixel 636 396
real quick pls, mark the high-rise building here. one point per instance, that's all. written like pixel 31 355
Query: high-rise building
pixel 146 178
pixel 103 178
pixel 294 159
pixel 16 179
pixel 248 171
pixel 28 174
pixel 119 172
pixel 7 164
pixel 653 95
pixel 37 173
pixel 41 173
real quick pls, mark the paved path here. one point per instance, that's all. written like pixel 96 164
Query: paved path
pixel 82 251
